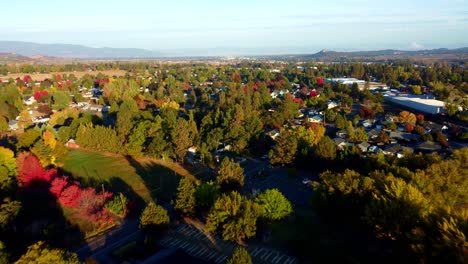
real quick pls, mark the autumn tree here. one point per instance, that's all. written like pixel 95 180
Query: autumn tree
pixel 407 117
pixel 42 253
pixel 240 256
pixel 28 138
pixel 273 204
pixel 24 120
pixel 230 174
pixel 234 216
pixel 185 201
pixel 7 168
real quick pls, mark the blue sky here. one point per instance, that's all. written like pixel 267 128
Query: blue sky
pixel 287 26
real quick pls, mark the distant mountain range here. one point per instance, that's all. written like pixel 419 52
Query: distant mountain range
pixel 72 51
pixel 17 51
pixel 390 54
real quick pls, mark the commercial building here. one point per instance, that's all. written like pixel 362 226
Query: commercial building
pixel 423 104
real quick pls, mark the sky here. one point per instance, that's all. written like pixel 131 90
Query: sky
pixel 251 26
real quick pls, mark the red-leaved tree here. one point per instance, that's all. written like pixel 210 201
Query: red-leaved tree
pixel 319 81
pixel 30 169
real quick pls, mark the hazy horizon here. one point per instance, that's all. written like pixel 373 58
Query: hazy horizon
pixel 241 27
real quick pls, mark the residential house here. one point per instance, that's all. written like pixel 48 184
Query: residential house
pixel 341 143
pixel 428 147
pixel 316 119
pixel 29 100
pixel 273 133
pixel 364 146
pixel 71 144
pixel 341 133
pixel 331 104
pixel 373 134
pixel 13 125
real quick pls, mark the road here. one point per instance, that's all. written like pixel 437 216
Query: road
pixel 101 247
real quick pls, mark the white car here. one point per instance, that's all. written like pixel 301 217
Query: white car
pixel 306 181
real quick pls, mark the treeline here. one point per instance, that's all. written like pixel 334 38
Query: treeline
pixel 414 206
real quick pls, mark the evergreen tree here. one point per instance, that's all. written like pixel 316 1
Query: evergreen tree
pixel 240 256
pixel 230 175
pixel 185 201
pixel 154 218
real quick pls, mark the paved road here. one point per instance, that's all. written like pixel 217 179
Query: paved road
pixel 101 247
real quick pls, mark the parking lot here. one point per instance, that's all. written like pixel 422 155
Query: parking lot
pixel 260 176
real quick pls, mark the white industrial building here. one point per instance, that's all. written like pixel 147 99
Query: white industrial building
pixel 419 103
pixel 347 81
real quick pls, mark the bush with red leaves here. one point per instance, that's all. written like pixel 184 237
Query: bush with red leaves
pixel 58 185
pixel 70 196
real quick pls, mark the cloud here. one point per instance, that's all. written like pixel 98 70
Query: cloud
pixel 417 46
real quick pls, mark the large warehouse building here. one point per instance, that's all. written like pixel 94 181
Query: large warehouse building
pixel 418 103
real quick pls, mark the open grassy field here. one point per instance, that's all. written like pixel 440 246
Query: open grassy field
pixel 78 74
pixel 139 178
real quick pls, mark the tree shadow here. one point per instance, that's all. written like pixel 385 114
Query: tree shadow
pixel 115 185
pixel 160 180
pixel 41 218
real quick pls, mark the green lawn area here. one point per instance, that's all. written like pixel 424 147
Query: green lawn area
pixel 138 178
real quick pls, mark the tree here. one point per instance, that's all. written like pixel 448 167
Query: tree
pixel 325 149
pixel 4 255
pixel 137 139
pixel 206 195
pixel 154 218
pixel 185 201
pixel 118 205
pixel 24 120
pixel 360 135
pixel 7 168
pixel 61 99
pixel 274 206
pixel 230 174
pixel 28 138
pixel 9 209
pixel 382 137
pixel 235 216
pixel 240 256
pixel 41 253
pixel 340 122
pixel 30 170
pixel 285 149
pixel 407 117
pixel 182 137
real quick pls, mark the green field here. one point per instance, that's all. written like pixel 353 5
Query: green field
pixel 138 178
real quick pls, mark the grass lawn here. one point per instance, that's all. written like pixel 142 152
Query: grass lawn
pixel 137 178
